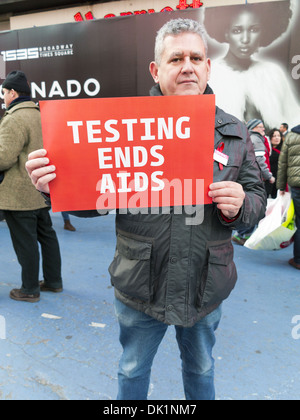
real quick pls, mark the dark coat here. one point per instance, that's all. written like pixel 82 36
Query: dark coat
pixel 178 272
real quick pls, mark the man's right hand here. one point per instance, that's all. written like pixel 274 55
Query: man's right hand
pixel 39 170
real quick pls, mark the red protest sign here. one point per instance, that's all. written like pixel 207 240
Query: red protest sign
pixel 136 152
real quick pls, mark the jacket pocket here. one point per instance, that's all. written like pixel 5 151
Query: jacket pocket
pixel 131 268
pixel 219 277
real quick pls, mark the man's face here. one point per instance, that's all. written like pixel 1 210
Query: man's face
pixel 8 96
pixel 184 67
pixel 282 129
pixel 260 128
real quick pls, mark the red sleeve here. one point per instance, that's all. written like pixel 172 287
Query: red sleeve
pixel 230 220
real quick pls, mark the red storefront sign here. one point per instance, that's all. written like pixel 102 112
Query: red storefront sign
pixel 183 5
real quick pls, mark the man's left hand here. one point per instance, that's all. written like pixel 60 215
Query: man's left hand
pixel 229 197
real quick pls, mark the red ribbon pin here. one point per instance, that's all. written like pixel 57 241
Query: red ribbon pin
pixel 220 149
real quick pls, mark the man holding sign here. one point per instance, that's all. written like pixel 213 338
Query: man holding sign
pixel 167 271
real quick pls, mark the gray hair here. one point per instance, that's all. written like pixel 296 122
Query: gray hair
pixel 175 27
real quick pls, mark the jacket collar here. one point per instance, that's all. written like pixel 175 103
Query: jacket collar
pixel 19 100
pixel 225 124
pixel 21 105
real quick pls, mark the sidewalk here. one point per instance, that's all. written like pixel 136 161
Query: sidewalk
pixel 66 347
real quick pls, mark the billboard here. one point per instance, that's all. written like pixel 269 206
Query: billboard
pixel 110 58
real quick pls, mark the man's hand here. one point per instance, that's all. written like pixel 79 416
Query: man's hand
pixel 229 197
pixel 39 170
pixel 272 180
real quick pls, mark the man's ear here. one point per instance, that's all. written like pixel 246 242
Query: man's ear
pixel 154 71
pixel 208 67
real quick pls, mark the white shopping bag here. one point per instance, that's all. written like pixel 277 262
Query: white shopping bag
pixel 277 229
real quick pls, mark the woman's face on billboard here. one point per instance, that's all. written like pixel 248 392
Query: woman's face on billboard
pixel 243 35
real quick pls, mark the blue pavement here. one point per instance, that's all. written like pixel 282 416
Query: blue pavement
pixel 66 347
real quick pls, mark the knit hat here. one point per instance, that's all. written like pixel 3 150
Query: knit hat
pixel 253 123
pixel 17 80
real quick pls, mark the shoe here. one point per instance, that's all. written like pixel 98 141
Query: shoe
pixel 69 226
pixel 44 288
pixel 238 240
pixel 16 294
pixel 294 264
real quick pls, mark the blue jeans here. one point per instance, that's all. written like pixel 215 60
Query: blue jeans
pixel 296 198
pixel 140 336
pixel 246 232
pixel 65 216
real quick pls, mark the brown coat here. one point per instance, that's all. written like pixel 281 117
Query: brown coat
pixel 20 134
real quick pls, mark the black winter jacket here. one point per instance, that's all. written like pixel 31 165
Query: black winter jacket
pixel 178 272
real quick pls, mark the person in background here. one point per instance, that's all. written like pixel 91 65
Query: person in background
pixel 284 129
pixel 257 135
pixel 25 211
pixel 276 140
pixel 67 222
pixel 289 173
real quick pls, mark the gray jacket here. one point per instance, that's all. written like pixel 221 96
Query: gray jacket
pixel 178 272
pixel 260 150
